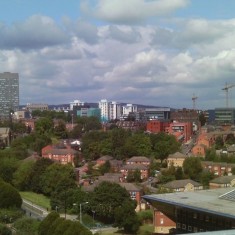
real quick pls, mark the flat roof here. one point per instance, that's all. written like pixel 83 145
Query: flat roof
pixel 201 200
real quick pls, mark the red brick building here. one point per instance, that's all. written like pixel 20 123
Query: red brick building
pixel 162 223
pixel 156 126
pixel 64 155
pixel 218 168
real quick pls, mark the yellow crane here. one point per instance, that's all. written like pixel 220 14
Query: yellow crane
pixel 226 88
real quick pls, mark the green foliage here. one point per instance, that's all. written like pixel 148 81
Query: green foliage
pixel 134 176
pixel 202 118
pixel 9 196
pixel 26 226
pixel 76 229
pixel 60 130
pixel 137 144
pixel 105 168
pixel 163 145
pixel 8 166
pixel 64 175
pixel 205 178
pixel 192 168
pixel 46 223
pixel 37 172
pixel 44 125
pixel 21 177
pixel 230 139
pixel 10 215
pixel 233 171
pixel 145 216
pixel 4 230
pixel 105 198
pixel 126 218
pixel 219 142
pixel 61 227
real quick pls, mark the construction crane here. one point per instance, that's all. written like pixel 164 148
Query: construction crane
pixel 226 88
pixel 194 101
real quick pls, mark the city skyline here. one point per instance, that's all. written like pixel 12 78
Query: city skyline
pixel 158 52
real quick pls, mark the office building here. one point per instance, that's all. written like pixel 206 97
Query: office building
pixel 9 93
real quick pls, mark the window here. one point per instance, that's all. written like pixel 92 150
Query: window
pixel 183 226
pixel 161 221
pixel 189 228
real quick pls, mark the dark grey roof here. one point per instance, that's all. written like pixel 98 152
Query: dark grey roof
pixel 130 187
pixel 105 158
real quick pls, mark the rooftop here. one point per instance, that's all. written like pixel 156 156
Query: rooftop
pixel 203 200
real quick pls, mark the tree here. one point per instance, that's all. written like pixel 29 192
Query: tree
pixel 8 166
pixel 202 118
pixel 37 172
pixel 192 168
pixel 76 229
pixel 137 145
pixel 126 217
pixel 9 196
pixel 26 226
pixel 134 176
pixel 44 126
pixel 163 145
pixel 60 130
pixel 21 177
pixel 106 198
pixel 4 230
pixel 46 223
pixel 105 168
pixel 230 139
pixel 64 175
pixel 219 142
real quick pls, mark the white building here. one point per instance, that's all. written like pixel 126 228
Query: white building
pixel 114 110
pixel 104 107
pixel 76 103
pixel 129 108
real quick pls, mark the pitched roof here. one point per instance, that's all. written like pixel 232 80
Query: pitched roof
pixel 181 184
pixel 177 155
pixel 130 186
pixel 135 167
pixel 105 158
pixel 138 159
pixel 223 179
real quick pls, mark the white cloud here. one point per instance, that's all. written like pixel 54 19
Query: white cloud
pixel 131 11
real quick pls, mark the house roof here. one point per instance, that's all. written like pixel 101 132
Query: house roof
pixel 105 158
pixel 223 179
pixel 181 184
pixel 134 167
pixel 177 155
pixel 138 159
pixel 130 187
pixel 56 151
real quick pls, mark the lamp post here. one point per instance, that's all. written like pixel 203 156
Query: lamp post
pixel 81 210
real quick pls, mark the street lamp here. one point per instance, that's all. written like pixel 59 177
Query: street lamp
pixel 81 210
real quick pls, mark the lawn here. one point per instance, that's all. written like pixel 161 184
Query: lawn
pixel 37 199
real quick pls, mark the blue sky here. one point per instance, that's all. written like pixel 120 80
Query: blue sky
pixel 156 52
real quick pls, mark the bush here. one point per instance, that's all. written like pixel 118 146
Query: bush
pixel 9 196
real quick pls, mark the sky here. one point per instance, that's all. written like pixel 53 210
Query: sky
pixel 150 52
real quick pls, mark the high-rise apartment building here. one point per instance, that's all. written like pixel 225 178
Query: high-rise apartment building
pixel 104 108
pixel 109 110
pixel 9 93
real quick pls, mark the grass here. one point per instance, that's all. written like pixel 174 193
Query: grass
pixel 37 199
